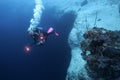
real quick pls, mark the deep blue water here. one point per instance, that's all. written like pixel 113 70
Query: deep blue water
pixel 48 62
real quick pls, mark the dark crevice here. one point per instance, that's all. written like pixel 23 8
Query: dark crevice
pixel 57 47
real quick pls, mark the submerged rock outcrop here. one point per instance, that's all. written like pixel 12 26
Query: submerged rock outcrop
pixel 96 13
pixel 101 50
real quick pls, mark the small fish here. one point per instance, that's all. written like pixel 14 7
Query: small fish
pixel 99 19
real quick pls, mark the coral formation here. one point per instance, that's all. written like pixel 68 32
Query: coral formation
pixel 101 50
pixel 96 13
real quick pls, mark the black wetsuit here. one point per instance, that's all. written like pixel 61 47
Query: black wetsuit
pixel 38 33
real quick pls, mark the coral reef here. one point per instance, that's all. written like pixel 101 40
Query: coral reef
pixel 101 50
pixel 100 13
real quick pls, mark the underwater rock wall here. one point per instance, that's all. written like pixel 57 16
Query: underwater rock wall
pixel 96 13
pixel 65 6
pixel 90 13
pixel 101 51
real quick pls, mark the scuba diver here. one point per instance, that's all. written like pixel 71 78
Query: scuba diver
pixel 39 35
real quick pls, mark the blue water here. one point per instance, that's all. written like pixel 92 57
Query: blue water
pixel 48 62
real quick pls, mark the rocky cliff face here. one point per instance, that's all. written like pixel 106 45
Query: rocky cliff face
pixel 95 13
pixel 90 13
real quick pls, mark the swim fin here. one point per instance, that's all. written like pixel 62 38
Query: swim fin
pixel 50 30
